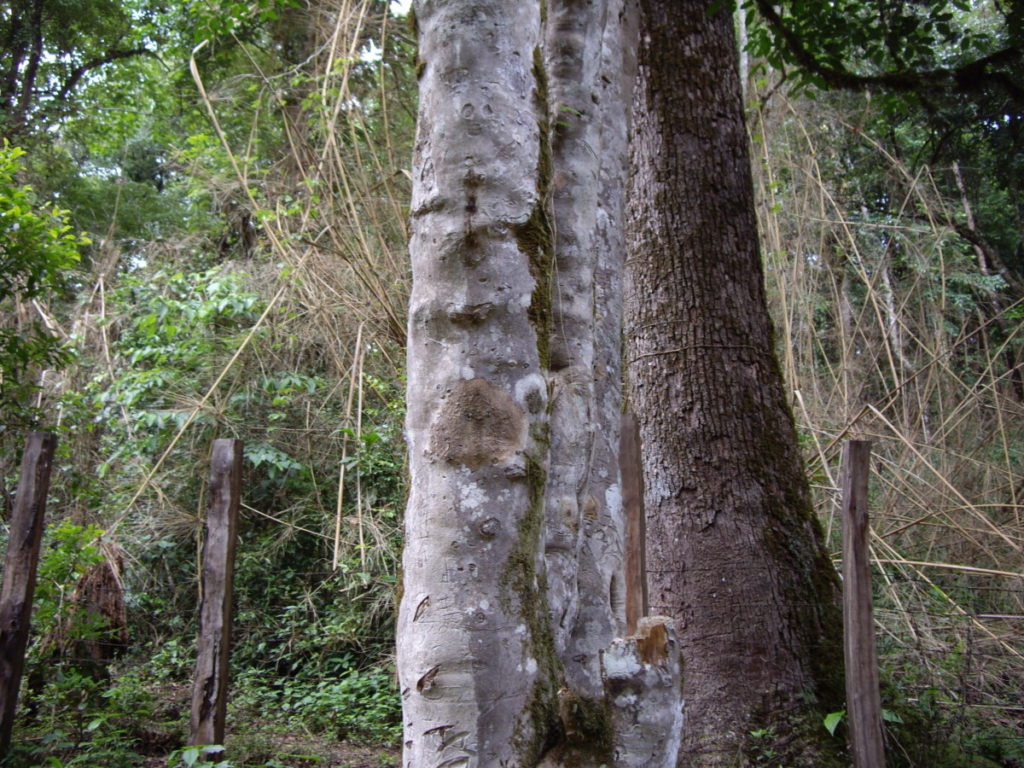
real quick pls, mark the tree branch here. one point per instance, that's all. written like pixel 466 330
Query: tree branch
pixel 111 56
pixel 15 45
pixel 28 82
pixel 973 77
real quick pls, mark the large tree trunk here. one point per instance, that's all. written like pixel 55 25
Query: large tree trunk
pixel 734 550
pixel 475 655
pixel 513 559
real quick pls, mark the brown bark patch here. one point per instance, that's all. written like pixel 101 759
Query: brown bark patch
pixel 652 641
pixel 479 424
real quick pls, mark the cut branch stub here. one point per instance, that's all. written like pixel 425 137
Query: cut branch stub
pixel 643 682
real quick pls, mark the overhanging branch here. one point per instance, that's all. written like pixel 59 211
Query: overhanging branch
pixel 111 56
pixel 974 77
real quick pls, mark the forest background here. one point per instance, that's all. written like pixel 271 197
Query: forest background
pixel 203 212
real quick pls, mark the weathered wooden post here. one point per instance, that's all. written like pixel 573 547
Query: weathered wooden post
pixel 209 688
pixel 20 572
pixel 631 470
pixel 863 701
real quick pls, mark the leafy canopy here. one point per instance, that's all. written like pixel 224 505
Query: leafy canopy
pixel 929 50
pixel 37 251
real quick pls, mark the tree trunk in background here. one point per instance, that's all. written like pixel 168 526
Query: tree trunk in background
pixel 19 577
pixel 734 550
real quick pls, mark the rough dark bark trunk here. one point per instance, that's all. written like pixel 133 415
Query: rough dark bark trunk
pixel 734 550
pixel 19 579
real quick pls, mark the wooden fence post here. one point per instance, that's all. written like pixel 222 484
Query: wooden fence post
pixel 631 470
pixel 863 701
pixel 209 688
pixel 20 572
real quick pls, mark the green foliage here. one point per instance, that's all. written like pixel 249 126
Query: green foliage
pixel 196 755
pixel 71 553
pixel 874 38
pixel 179 275
pixel 238 18
pixel 81 721
pixel 176 331
pixel 360 705
pixel 38 251
pixel 922 729
pixel 832 721
pixel 762 749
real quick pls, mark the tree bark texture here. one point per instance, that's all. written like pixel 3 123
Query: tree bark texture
pixel 473 655
pixel 19 579
pixel 588 81
pixel 734 551
pixel 512 582
pixel 641 675
pixel 210 683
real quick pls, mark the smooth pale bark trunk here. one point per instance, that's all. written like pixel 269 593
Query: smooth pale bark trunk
pixel 572 56
pixel 512 571
pixel 734 550
pixel 589 80
pixel 602 603
pixel 474 653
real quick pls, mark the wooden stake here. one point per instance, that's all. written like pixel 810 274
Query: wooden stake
pixel 209 689
pixel 20 572
pixel 631 469
pixel 863 701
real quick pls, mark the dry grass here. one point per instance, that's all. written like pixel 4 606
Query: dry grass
pixel 326 250
pixel 886 333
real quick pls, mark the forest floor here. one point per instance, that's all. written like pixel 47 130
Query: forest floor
pixel 290 751
pixel 257 740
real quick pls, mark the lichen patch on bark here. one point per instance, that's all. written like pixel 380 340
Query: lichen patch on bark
pixel 480 423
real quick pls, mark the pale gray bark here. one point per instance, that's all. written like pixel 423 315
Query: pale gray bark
pixel 572 55
pixel 469 653
pixel 600 613
pixel 513 558
pixel 642 676
pixel 587 82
